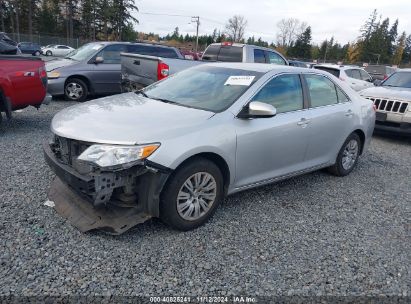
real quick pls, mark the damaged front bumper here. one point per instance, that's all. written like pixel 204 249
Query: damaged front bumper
pixel 113 201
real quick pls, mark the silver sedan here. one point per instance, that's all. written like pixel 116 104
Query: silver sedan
pixel 175 149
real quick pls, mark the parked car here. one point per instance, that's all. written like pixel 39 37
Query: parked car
pixel 392 100
pixel 23 83
pixel 379 72
pixel 30 48
pixel 7 45
pixel 151 69
pixel 57 50
pixel 94 68
pixel 356 77
pixel 175 149
pixel 297 63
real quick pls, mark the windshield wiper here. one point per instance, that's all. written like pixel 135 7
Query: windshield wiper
pixel 164 100
pixel 142 93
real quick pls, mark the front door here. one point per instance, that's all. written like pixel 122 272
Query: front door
pixel 272 147
pixel 106 76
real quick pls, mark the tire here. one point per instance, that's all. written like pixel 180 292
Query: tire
pixel 49 53
pixel 37 53
pixel 75 89
pixel 347 156
pixel 181 213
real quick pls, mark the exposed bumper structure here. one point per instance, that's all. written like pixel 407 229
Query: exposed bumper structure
pixel 87 205
pixel 84 216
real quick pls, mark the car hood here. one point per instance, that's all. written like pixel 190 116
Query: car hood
pixel 126 119
pixel 387 92
pixel 58 63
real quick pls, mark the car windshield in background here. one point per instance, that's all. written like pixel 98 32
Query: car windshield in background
pixel 208 88
pixel 399 79
pixel 335 72
pixel 85 51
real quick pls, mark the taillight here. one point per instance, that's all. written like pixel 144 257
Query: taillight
pixel 226 43
pixel 374 107
pixel 162 70
pixel 385 77
pixel 43 76
pixel 42 72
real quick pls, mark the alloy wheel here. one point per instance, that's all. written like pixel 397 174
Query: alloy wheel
pixel 74 90
pixel 350 154
pixel 196 196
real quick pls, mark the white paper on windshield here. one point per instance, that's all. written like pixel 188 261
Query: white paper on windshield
pixel 239 80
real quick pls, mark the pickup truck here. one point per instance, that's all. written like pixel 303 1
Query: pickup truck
pixel 138 71
pixel 23 83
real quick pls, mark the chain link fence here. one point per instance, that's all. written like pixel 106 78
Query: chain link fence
pixel 43 39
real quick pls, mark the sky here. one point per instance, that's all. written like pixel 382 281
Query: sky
pixel 341 19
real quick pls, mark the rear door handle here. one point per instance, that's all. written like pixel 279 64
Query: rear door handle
pixel 349 113
pixel 303 122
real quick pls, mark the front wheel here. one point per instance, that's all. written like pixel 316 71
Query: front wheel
pixel 75 90
pixel 347 157
pixel 49 53
pixel 37 53
pixel 192 195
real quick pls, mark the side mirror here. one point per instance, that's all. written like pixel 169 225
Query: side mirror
pixel 98 60
pixel 256 109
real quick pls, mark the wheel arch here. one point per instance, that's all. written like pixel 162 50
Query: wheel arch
pixel 216 159
pixel 361 134
pixel 81 77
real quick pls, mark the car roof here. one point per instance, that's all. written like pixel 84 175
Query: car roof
pixel 338 67
pixel 263 67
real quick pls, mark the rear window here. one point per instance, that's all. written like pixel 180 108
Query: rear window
pixel 376 69
pixel 152 51
pixel 224 53
pixel 332 71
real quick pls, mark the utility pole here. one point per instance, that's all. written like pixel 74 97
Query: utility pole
pixel 196 19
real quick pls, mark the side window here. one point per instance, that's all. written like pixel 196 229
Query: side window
pixel 341 95
pixel 322 91
pixel 275 58
pixel 111 53
pixel 283 92
pixel 259 56
pixel 364 75
pixel 353 73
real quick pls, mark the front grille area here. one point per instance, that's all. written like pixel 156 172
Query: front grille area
pixel 67 150
pixel 390 105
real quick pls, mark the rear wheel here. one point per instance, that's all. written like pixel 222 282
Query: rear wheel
pixel 37 53
pixel 75 90
pixel 348 156
pixel 192 195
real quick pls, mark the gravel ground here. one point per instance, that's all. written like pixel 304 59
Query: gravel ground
pixel 312 235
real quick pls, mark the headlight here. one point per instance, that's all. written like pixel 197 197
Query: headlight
pixel 53 74
pixel 111 155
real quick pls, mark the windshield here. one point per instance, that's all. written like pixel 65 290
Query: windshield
pixel 205 87
pixel 399 79
pixel 85 51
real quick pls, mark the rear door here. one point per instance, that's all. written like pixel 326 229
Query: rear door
pixel 354 79
pixel 106 76
pixel 331 115
pixel 268 148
